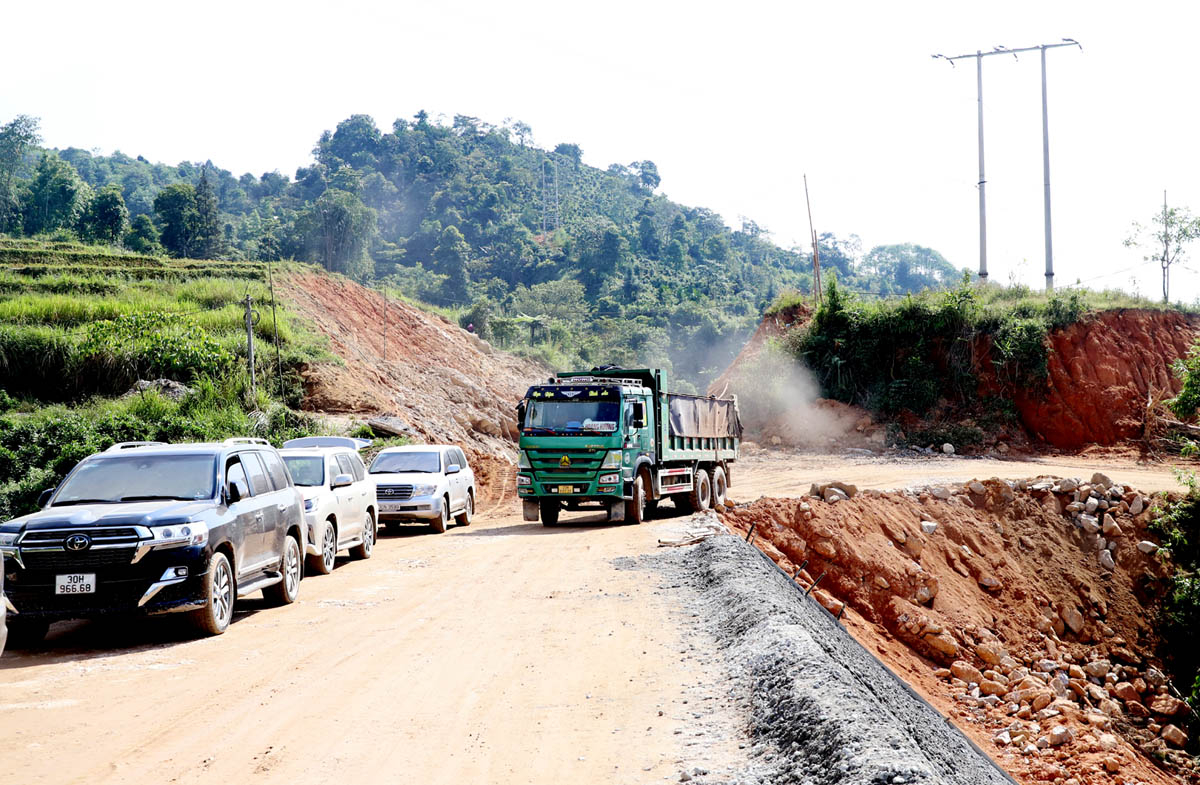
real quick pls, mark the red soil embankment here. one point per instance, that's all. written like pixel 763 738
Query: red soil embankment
pixel 1103 371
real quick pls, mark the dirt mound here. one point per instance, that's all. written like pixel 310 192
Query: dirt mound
pixel 1102 372
pixel 1015 587
pixel 426 373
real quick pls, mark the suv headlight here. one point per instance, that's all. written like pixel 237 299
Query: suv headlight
pixel 179 535
pixel 612 460
pixel 8 539
pixel 424 490
pixel 523 461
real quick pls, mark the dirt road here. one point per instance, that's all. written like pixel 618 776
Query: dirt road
pixel 502 653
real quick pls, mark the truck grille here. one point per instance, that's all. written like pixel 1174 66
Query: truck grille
pixel 580 464
pixel 394 492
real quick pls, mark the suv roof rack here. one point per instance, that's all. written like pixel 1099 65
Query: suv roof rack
pixel 328 441
pixel 132 445
pixel 246 440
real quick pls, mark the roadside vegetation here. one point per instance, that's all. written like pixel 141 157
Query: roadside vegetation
pixel 910 353
pixel 78 330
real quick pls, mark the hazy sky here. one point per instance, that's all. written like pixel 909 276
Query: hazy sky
pixel 734 101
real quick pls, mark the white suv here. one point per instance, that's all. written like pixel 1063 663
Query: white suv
pixel 339 499
pixel 427 483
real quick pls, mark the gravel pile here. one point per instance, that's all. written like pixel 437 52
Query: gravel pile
pixel 823 710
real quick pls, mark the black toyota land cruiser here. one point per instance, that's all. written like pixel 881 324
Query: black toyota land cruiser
pixel 155 528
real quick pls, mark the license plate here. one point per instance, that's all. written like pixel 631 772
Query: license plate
pixel 75 583
pixel 566 489
pixel 389 507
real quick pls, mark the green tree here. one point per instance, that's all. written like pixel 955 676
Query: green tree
pixel 1165 239
pixel 16 136
pixel 176 209
pixel 57 196
pixel 340 228
pixel 450 257
pixel 572 152
pixel 142 237
pixel 106 217
pixel 208 235
pixel 909 268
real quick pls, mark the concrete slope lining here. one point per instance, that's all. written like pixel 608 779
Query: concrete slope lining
pixel 833 714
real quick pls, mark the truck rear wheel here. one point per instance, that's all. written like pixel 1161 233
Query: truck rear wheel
pixel 549 510
pixel 701 496
pixel 719 488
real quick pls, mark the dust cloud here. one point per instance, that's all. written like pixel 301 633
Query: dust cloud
pixel 780 403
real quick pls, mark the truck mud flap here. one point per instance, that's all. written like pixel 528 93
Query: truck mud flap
pixel 529 510
pixel 616 512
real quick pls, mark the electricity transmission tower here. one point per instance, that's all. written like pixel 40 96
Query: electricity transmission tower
pixel 1001 50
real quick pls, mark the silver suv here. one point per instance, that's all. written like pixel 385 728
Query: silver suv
pixel 155 528
pixel 339 500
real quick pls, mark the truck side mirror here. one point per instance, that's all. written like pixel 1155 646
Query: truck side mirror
pixel 639 414
pixel 521 408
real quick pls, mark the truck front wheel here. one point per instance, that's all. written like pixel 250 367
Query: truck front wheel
pixel 635 508
pixel 549 510
pixel 701 496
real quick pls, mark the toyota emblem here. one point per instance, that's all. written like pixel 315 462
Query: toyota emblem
pixel 78 542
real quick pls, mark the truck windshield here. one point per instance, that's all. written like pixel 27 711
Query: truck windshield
pixel 579 416
pixel 133 477
pixel 308 470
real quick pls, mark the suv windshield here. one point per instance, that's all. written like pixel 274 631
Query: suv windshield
pixel 395 462
pixel 573 416
pixel 133 477
pixel 306 469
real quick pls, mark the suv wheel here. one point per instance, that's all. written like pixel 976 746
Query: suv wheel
pixel 219 594
pixel 323 564
pixel 286 591
pixel 464 517
pixel 368 539
pixel 442 522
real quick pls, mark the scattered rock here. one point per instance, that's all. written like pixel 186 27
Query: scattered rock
pixel 1135 507
pixel 977 488
pixel 1073 619
pixel 929 527
pixel 1106 560
pixel 948 448
pixel 1174 736
pixel 1145 546
pixel 966 671
pixel 989 652
pixel 1167 705
pixel 1060 735
pixel 1097 669
pixel 940 492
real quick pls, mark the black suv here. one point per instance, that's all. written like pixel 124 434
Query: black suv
pixel 155 528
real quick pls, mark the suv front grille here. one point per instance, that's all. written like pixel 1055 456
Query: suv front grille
pixel 394 492
pixel 55 538
pixel 71 561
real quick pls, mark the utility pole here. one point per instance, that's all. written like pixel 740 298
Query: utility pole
pixel 250 342
pixel 1001 50
pixel 816 260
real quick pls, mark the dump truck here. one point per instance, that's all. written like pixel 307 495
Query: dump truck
pixel 619 440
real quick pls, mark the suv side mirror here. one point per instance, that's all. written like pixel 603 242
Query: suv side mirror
pixel 453 468
pixel 342 481
pixel 44 496
pixel 639 414
pixel 234 494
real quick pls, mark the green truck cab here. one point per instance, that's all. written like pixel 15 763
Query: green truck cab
pixel 616 439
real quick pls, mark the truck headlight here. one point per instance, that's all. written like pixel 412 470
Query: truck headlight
pixel 424 490
pixel 523 460
pixel 609 479
pixel 524 479
pixel 179 535
pixel 612 460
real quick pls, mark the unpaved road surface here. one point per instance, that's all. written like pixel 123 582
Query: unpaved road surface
pixel 501 653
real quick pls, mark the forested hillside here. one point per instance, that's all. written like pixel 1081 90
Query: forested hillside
pixel 534 249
